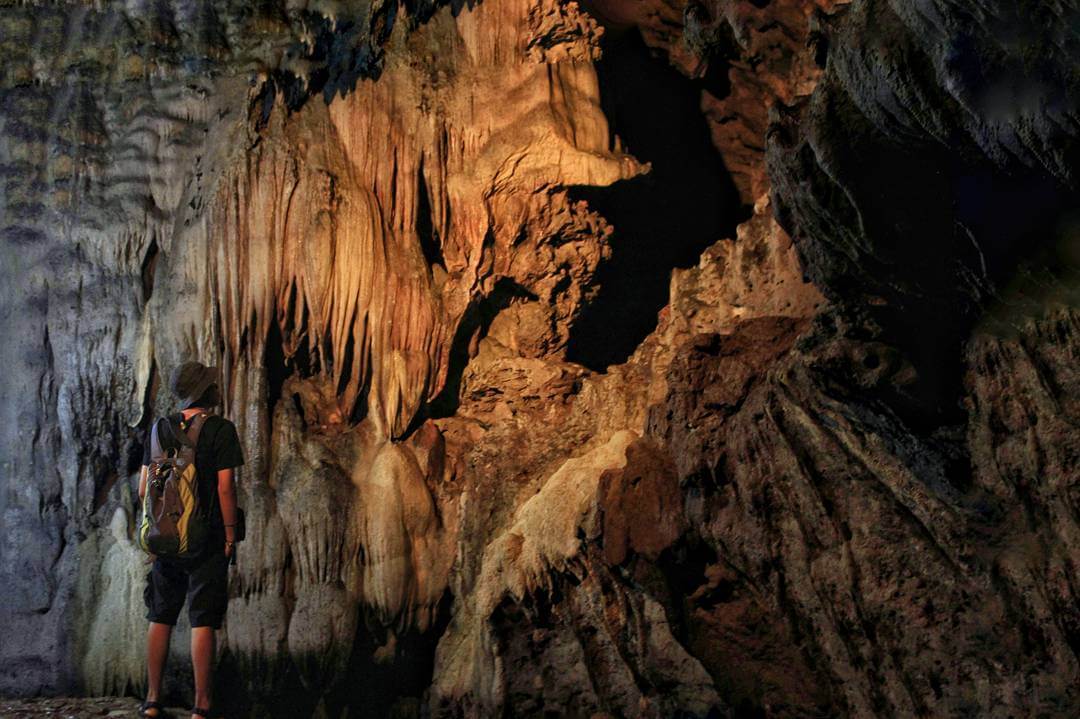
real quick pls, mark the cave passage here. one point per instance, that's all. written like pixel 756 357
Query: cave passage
pixel 663 219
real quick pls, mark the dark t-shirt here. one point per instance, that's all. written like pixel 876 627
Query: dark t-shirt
pixel 218 448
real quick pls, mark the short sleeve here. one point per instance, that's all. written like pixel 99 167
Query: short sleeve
pixel 227 450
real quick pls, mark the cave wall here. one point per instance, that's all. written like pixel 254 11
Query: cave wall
pixel 836 476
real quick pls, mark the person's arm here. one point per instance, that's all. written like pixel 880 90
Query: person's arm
pixel 227 500
pixel 145 471
pixel 229 456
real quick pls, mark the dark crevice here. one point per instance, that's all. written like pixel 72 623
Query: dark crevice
pixel 149 265
pixel 241 346
pixel 301 364
pixel 298 406
pixel 360 408
pixel 219 331
pixel 430 242
pixel 279 367
pixel 290 308
pixel 133 459
pixel 472 328
pixel 102 486
pixel 716 80
pixel 662 220
pixel 710 595
pixel 274 362
pixel 396 687
pixel 418 420
pixel 683 565
pixel 302 359
pixel 346 364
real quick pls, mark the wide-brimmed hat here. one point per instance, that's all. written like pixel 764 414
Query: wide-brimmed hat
pixel 191 379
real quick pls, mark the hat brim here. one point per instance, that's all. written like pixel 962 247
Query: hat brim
pixel 211 376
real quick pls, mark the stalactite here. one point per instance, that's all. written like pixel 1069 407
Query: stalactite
pixel 336 222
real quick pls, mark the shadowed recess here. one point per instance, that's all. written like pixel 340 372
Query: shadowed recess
pixel 472 328
pixel 663 219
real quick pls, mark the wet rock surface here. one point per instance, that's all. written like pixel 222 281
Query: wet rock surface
pixel 765 408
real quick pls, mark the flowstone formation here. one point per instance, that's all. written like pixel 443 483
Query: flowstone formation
pixel 649 358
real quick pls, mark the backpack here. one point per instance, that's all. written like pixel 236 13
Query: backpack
pixel 174 522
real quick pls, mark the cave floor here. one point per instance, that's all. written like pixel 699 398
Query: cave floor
pixel 76 708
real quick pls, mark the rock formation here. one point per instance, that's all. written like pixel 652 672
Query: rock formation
pixel 649 358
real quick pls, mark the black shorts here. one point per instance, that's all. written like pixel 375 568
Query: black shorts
pixel 204 582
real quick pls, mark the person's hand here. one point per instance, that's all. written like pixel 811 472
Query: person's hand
pixel 229 547
pixel 150 558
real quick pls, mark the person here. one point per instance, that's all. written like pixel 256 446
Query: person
pixel 202 578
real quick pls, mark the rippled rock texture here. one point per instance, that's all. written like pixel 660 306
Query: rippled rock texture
pixel 648 358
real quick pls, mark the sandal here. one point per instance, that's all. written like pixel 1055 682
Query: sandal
pixel 161 713
pixel 199 711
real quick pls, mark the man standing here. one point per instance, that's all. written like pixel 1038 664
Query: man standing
pixel 203 578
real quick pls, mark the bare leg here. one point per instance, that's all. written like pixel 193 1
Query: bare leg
pixel 202 661
pixel 157 651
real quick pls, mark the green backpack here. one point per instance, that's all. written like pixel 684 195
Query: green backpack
pixel 174 524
